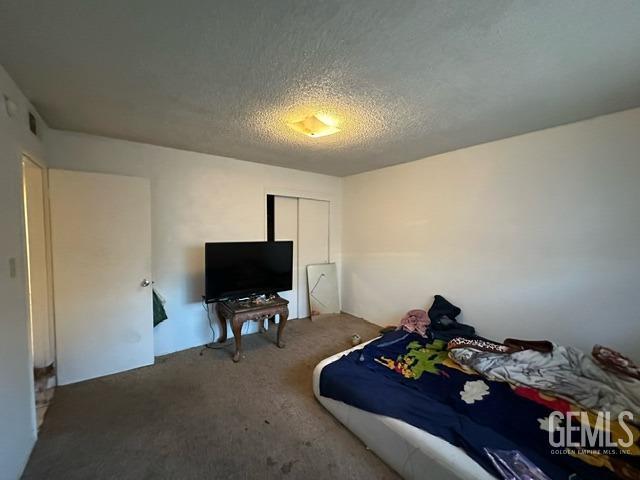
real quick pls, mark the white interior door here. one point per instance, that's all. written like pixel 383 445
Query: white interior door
pixel 313 244
pixel 101 243
pixel 286 228
pixel 37 265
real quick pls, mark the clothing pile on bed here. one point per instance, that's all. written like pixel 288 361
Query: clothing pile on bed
pixel 435 373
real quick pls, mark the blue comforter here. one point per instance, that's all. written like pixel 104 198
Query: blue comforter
pixel 404 376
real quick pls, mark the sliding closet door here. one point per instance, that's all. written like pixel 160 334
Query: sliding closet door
pixel 306 222
pixel 313 244
pixel 286 228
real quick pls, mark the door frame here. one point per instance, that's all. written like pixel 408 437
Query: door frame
pixel 34 161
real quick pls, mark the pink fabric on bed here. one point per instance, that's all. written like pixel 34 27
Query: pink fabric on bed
pixel 415 321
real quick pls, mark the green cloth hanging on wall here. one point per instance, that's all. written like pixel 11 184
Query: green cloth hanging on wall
pixel 159 313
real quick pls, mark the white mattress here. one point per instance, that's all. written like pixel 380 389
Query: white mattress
pixel 413 453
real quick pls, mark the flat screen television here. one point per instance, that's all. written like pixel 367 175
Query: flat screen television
pixel 241 269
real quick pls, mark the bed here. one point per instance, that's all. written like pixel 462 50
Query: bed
pixel 429 416
pixel 410 451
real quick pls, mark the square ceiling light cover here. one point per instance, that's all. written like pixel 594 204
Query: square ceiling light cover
pixel 318 125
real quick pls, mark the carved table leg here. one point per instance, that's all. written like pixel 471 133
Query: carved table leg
pixel 283 322
pixel 236 326
pixel 222 321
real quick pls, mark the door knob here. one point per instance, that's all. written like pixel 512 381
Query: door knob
pixel 145 283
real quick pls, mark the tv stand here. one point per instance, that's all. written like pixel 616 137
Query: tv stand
pixel 256 308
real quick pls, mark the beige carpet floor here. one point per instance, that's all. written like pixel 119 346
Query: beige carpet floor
pixel 195 415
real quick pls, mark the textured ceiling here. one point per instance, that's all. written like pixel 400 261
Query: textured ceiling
pixel 406 79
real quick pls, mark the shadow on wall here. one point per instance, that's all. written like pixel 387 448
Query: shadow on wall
pixel 194 265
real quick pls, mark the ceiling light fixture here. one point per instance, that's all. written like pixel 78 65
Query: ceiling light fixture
pixel 317 125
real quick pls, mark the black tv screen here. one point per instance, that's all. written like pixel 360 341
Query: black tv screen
pixel 241 269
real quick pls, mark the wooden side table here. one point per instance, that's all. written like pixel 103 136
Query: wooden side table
pixel 239 311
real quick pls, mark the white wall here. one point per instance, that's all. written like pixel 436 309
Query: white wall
pixel 195 198
pixel 17 420
pixel 535 236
